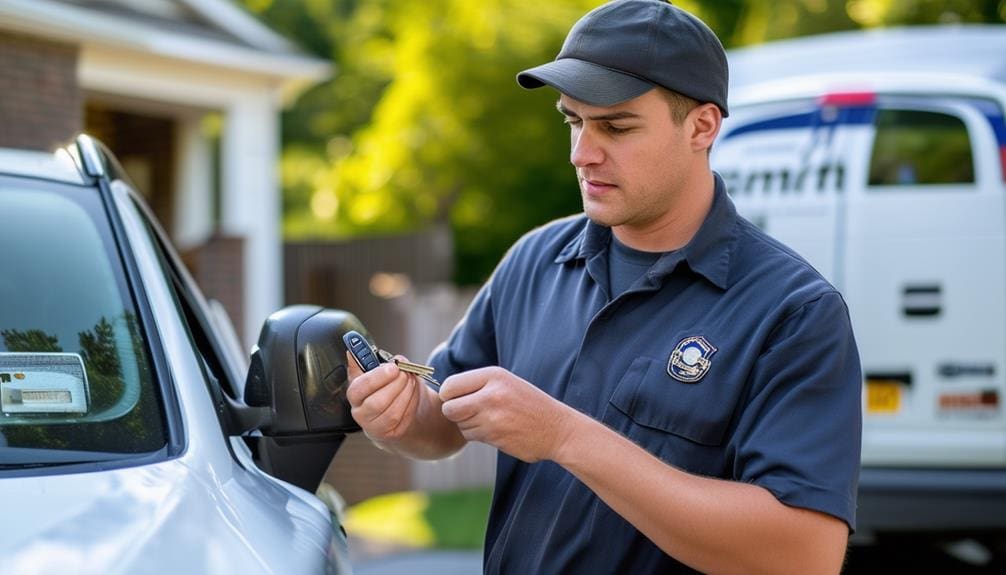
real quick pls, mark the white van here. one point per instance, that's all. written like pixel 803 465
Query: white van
pixel 881 158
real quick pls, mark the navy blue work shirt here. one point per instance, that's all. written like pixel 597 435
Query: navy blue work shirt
pixel 731 358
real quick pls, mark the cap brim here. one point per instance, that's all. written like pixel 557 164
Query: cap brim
pixel 585 81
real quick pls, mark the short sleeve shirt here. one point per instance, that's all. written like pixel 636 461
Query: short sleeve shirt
pixel 730 358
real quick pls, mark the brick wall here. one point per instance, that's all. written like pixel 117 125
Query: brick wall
pixel 40 100
pixel 218 268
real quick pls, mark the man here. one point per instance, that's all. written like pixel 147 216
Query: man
pixel 669 388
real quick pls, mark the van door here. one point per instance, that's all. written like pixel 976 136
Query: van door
pixel 787 165
pixel 925 282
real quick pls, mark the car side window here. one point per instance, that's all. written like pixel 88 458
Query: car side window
pixel 915 147
pixel 76 373
pixel 218 372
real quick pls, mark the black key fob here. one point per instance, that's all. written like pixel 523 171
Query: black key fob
pixel 361 350
pixel 369 357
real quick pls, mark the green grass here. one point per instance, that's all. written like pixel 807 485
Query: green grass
pixel 442 519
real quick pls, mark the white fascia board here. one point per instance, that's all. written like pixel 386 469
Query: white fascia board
pixel 79 25
pixel 147 77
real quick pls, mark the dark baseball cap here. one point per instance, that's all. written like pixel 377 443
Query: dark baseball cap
pixel 625 48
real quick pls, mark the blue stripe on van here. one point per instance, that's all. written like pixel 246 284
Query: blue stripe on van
pixel 857 115
pixel 864 115
pixel 994 114
pixel 781 123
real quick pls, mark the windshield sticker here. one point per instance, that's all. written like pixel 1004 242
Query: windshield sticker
pixel 42 383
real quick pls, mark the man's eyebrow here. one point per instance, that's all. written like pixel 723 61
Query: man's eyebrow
pixel 603 117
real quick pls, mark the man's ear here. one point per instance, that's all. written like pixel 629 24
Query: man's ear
pixel 704 121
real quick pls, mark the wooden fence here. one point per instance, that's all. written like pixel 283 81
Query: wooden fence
pixel 400 289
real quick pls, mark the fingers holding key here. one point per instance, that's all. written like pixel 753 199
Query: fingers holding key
pixel 383 401
pixel 363 385
pixel 494 406
pixel 395 419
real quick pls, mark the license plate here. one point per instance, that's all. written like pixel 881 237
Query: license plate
pixel 883 397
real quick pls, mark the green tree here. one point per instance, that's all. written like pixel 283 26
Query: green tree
pixel 97 348
pixel 352 34
pixel 32 340
pixel 454 140
pixel 101 360
pixel 446 137
pixel 871 13
pixel 424 125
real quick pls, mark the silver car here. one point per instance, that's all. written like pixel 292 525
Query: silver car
pixel 135 437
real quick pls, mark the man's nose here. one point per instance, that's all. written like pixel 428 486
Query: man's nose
pixel 584 149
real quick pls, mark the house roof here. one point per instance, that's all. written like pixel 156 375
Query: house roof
pixel 213 32
pixel 217 19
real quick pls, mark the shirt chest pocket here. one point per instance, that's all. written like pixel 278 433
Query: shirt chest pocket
pixel 699 412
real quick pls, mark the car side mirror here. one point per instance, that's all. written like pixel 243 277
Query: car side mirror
pixel 298 370
pixel 295 393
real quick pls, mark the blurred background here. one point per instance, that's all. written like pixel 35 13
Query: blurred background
pixel 370 155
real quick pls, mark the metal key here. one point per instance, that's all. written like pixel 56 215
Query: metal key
pixel 424 372
pixel 416 368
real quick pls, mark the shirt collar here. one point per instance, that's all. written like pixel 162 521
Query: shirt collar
pixel 707 254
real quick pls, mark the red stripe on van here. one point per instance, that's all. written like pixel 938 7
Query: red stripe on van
pixel 848 99
pixel 1002 161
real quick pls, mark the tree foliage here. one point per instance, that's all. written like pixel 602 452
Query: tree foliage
pixel 31 340
pixel 424 125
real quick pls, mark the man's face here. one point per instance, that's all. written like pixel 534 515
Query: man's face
pixel 631 159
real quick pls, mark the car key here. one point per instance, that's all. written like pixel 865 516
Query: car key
pixel 361 350
pixel 369 357
pixel 416 368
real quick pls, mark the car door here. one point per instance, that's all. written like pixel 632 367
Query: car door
pixel 274 515
pixel 924 270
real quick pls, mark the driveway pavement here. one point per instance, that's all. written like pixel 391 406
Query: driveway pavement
pixel 423 563
pixel 370 557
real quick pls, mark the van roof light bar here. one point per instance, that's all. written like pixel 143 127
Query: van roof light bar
pixel 848 99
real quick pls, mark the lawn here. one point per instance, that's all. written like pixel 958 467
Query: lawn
pixel 439 519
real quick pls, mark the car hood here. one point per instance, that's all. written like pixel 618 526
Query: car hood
pixel 157 518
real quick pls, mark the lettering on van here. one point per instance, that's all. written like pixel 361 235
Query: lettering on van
pixel 820 179
pixel 978 404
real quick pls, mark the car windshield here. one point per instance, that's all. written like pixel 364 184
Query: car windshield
pixel 76 383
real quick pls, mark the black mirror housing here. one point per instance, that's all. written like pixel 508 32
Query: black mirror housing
pixel 298 371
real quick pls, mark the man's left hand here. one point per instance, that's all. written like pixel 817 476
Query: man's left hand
pixel 493 406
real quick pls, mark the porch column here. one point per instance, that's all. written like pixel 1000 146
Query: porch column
pixel 193 184
pixel 250 203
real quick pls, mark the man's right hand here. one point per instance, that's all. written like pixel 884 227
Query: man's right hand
pixel 399 413
pixel 385 401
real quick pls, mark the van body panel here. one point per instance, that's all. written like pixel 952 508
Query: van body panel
pixel 787 167
pixel 890 181
pixel 924 283
pixel 915 261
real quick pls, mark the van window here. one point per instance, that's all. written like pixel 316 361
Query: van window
pixel 915 147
